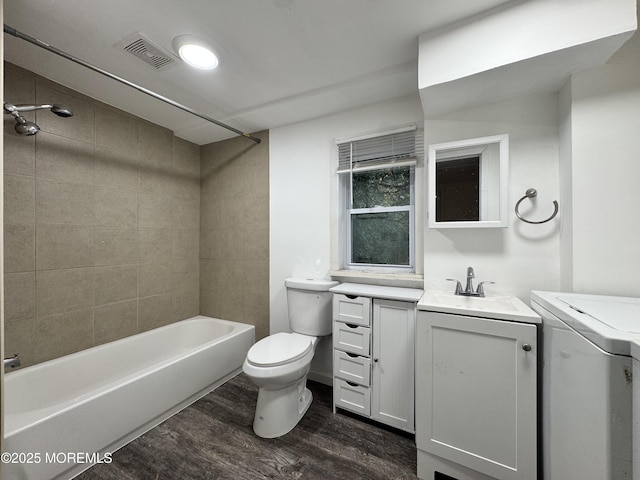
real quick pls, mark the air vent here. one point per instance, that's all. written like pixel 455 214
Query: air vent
pixel 147 51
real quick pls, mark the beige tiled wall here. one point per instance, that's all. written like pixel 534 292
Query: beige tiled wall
pixel 102 224
pixel 234 231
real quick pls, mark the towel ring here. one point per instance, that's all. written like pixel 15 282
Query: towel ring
pixel 530 193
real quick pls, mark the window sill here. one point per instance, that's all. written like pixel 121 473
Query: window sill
pixel 407 280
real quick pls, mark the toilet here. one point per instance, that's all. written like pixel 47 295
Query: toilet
pixel 278 364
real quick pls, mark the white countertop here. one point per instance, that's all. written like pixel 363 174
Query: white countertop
pixel 496 307
pixel 379 291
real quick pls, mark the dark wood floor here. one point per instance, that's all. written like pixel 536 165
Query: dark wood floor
pixel 214 439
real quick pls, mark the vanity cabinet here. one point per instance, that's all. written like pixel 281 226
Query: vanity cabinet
pixel 476 388
pixel 374 356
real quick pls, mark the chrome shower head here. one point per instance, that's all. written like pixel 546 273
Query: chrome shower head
pixel 25 127
pixel 61 110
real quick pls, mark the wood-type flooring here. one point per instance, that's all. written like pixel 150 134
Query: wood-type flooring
pixel 214 439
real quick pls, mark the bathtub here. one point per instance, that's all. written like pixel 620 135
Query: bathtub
pixel 64 415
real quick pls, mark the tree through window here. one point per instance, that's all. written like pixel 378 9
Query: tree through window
pixel 377 177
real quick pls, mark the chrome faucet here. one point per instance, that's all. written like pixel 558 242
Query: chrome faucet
pixel 470 276
pixel 12 362
pixel 468 291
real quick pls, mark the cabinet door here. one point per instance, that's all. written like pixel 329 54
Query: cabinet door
pixel 392 391
pixel 476 393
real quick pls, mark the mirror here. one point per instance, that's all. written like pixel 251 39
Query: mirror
pixel 468 183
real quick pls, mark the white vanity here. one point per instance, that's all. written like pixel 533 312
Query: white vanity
pixel 477 364
pixel 374 352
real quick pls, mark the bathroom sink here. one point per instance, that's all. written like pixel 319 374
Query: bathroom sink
pixel 492 306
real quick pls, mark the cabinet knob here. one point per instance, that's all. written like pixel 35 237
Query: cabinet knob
pixel 375 360
pixel 526 347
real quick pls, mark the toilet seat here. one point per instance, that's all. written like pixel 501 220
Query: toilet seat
pixel 279 349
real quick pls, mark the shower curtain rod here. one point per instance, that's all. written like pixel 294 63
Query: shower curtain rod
pixel 46 46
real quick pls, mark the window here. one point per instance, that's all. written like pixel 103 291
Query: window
pixel 377 177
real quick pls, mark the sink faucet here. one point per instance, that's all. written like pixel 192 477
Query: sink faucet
pixel 470 276
pixel 468 291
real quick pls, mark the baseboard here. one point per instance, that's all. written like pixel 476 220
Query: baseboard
pixel 321 378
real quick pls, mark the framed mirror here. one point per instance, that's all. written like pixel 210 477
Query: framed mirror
pixel 467 183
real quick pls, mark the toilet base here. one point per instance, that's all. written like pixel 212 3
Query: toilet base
pixel 278 411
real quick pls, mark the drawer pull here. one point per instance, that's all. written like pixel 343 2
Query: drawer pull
pixel 352 384
pixel 352 325
pixel 351 297
pixel 352 355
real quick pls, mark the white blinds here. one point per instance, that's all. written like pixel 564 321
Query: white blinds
pixel 403 147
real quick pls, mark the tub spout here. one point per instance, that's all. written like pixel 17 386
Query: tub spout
pixel 12 362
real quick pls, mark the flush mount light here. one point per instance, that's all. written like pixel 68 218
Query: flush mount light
pixel 195 52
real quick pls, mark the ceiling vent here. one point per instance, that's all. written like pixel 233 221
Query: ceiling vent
pixel 144 49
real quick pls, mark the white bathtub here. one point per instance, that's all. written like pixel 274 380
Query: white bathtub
pixel 86 405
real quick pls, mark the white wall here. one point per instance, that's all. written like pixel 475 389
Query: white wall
pixel 533 28
pixel 594 249
pixel 587 134
pixel 566 190
pixel 519 49
pixel 521 257
pixel 605 176
pixel 303 197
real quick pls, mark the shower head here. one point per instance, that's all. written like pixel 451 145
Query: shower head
pixel 61 110
pixel 25 127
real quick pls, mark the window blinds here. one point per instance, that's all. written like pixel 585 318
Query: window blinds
pixel 403 147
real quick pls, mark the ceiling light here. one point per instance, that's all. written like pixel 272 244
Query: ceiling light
pixel 195 52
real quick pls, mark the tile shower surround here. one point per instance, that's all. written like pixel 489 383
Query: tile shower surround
pixel 102 227
pixel 234 231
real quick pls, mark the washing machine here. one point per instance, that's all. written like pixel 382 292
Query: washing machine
pixel 587 384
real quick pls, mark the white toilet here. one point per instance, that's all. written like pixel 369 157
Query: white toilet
pixel 279 363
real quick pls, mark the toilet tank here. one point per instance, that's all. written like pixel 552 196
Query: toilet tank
pixel 309 303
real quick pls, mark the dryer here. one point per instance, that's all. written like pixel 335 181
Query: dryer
pixel 587 384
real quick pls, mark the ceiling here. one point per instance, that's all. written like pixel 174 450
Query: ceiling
pixel 281 61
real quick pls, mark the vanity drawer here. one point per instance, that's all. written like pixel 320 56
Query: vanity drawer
pixel 354 310
pixel 352 397
pixel 353 368
pixel 352 338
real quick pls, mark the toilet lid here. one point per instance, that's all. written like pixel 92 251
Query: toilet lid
pixel 279 349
